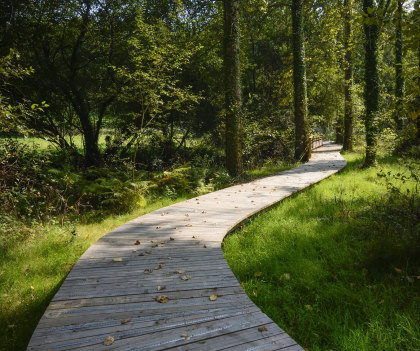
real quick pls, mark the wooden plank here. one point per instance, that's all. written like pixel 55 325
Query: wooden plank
pixel 99 292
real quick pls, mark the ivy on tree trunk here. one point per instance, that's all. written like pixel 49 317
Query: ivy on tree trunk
pixel 399 78
pixel 299 82
pixel 232 87
pixel 371 29
pixel 348 76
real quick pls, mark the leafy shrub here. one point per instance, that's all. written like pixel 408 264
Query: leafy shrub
pixel 394 219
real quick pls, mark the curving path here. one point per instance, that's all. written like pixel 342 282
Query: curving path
pixel 112 294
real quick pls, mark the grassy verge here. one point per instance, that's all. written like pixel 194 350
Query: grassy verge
pixel 338 265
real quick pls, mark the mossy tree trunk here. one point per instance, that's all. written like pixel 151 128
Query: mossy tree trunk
pixel 348 76
pixel 371 29
pixel 299 81
pixel 399 78
pixel 232 87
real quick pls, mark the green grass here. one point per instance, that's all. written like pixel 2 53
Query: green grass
pixel 322 263
pixel 42 144
pixel 32 271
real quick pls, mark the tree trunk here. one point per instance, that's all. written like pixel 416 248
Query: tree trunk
pixel 348 77
pixel 418 101
pixel 371 29
pixel 399 78
pixel 232 87
pixel 299 82
pixel 92 154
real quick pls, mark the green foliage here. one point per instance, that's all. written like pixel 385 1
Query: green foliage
pixel 14 109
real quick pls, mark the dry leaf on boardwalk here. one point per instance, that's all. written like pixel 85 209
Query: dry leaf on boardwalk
pixel 159 288
pixel 171 238
pixel 261 329
pixel 147 271
pixel 186 337
pixel 179 271
pixel 109 340
pixel 195 237
pixel 125 321
pixel 213 297
pixel 186 277
pixel 162 298
pixel 137 242
pixel 398 270
pixel 118 259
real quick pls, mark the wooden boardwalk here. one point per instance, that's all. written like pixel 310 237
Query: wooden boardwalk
pixel 161 282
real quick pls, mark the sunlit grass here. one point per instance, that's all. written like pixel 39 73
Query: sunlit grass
pixel 310 264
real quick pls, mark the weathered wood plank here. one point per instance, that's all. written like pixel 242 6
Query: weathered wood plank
pixel 100 292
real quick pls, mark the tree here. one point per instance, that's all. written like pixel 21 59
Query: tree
pixel 299 82
pixel 374 16
pixel 232 87
pixel 77 43
pixel 399 78
pixel 348 77
pixel 152 85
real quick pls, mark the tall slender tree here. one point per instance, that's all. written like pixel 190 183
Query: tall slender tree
pixel 232 87
pixel 299 81
pixel 348 77
pixel 374 17
pixel 399 78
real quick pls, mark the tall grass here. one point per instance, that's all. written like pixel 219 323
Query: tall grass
pixel 338 265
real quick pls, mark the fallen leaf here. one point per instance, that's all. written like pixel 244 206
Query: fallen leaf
pixel 157 268
pixel 410 279
pixel 179 271
pixel 171 238
pixel 161 265
pixel 162 298
pixel 170 258
pixel 398 270
pixel 185 336
pixel 147 271
pixel 195 236
pixel 141 254
pixel 203 212
pixel 159 288
pixel 109 340
pixel 125 321
pixel 308 307
pixel 188 225
pixel 254 293
pixel 158 227
pixel 118 259
pixel 137 242
pixel 213 297
pixel 149 252
pixel 205 246
pixel 261 329
pixel 32 287
pixel 134 251
pixel 186 277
